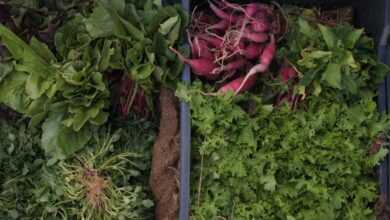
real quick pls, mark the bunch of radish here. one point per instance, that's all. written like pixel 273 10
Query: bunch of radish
pixel 232 43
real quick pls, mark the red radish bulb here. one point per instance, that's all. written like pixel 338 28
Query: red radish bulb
pixel 237 85
pixel 255 37
pixel 252 51
pixel 222 14
pixel 215 42
pixel 200 49
pixel 288 73
pixel 201 66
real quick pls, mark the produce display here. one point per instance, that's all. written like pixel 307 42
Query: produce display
pixel 79 88
pixel 285 124
pixel 303 142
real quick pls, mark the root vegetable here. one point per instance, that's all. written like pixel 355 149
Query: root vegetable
pixel 265 60
pixel 232 66
pixel 287 73
pixel 255 37
pixel 201 66
pixel 238 85
pixel 215 42
pixel 252 51
pixel 222 25
pixel 200 49
pixel 222 14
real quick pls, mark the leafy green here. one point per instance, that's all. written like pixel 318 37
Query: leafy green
pixel 72 94
pixel 274 163
pixel 339 57
pixel 33 189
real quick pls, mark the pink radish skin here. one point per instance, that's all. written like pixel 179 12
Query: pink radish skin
pixel 288 73
pixel 238 85
pixel 265 60
pixel 201 66
pixel 221 14
pixel 255 37
pixel 200 49
pixel 251 9
pixel 213 41
pixel 260 25
pixel 252 51
pixel 234 65
pixel 269 52
pixel 222 25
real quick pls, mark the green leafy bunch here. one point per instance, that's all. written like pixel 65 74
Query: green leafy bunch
pixel 68 97
pixel 20 161
pixel 254 161
pixel 339 57
pixel 106 181
pixel 40 18
pixel 130 36
pixel 66 91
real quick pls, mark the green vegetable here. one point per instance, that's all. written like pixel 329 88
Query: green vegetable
pixel 105 181
pixel 69 97
pixel 274 163
pixel 338 57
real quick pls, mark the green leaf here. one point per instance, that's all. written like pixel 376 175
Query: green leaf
pixel 306 29
pixel 328 36
pixel 36 86
pixel 174 34
pixel 42 50
pixel 167 26
pixel 142 72
pixel 58 141
pixel 5 70
pixel 100 24
pixel 353 37
pixel 12 91
pixel 332 75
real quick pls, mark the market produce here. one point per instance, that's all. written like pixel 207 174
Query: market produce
pixel 83 77
pixel 242 42
pixel 104 182
pixel 303 142
pixel 67 92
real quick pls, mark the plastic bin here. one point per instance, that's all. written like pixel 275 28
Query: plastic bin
pixel 374 16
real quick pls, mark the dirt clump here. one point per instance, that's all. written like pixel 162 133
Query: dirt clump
pixel 164 175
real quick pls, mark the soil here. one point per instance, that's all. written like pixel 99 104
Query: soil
pixel 382 210
pixel 164 175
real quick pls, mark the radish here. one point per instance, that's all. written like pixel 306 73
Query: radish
pixel 222 14
pixel 201 66
pixel 238 85
pixel 260 25
pixel 252 51
pixel 234 65
pixel 222 25
pixel 215 42
pixel 288 73
pixel 255 37
pixel 200 49
pixel 269 52
pixel 265 60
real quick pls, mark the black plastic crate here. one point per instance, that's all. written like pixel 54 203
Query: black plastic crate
pixel 373 16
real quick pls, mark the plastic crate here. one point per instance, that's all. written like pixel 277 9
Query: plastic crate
pixel 373 16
